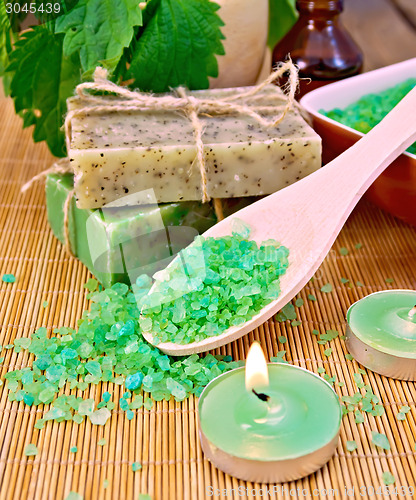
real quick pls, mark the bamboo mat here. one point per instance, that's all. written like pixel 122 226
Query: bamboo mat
pixel 165 439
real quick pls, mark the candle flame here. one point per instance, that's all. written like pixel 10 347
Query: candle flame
pixel 257 375
pixel 412 312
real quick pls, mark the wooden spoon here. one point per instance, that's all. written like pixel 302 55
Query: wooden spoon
pixel 307 216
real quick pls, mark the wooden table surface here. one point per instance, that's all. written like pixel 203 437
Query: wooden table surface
pixel 165 439
pixel 384 29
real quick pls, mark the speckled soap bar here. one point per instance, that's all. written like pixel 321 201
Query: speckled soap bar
pixel 127 152
pixel 117 244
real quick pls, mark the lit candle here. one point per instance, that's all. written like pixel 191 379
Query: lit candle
pixel 381 333
pixel 269 422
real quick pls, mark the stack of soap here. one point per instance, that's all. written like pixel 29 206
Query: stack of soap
pixel 124 152
pixel 119 243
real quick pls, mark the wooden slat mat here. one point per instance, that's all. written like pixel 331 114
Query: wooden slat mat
pixel 165 439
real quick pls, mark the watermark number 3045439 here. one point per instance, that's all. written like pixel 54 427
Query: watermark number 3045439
pixel 33 8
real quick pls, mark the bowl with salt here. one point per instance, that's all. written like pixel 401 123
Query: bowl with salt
pixel 339 109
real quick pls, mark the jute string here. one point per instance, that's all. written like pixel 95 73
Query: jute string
pixel 121 99
pixel 61 166
pixel 244 102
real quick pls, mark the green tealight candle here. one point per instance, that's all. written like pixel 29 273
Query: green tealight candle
pixel 278 432
pixel 381 333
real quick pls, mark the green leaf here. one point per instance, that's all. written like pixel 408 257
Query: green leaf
pixel 5 47
pixel 42 81
pixel 44 16
pixel 177 45
pixel 4 38
pixel 380 440
pixel 99 30
pixel 282 16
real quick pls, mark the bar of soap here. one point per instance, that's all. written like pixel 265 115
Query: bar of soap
pixel 117 244
pixel 126 152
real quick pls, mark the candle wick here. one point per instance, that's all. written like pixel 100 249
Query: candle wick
pixel 412 312
pixel 261 396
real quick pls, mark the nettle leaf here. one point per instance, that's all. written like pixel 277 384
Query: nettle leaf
pixel 42 81
pixel 177 46
pixel 282 16
pixel 45 13
pixel 5 45
pixel 99 30
pixel 4 29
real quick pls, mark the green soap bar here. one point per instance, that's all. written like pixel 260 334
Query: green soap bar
pixel 118 244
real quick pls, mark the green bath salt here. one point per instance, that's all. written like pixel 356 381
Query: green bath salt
pixel 106 347
pixel 238 277
pixel 365 113
pixel 216 283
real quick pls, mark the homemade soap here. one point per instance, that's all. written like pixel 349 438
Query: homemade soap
pixel 117 244
pixel 127 152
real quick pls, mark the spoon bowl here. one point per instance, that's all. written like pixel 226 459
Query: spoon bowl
pixel 306 217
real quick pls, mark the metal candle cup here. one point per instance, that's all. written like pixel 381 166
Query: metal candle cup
pixel 286 436
pixel 381 333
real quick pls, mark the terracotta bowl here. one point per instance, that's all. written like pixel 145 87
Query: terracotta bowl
pixel 395 189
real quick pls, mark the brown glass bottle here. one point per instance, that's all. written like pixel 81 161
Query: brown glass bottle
pixel 319 45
